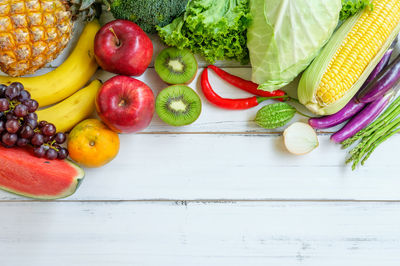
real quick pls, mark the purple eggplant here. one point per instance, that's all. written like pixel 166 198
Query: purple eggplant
pixel 345 113
pixel 353 107
pixel 362 119
pixel 383 83
pixel 379 67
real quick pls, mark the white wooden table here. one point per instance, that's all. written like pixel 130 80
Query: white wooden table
pixel 219 192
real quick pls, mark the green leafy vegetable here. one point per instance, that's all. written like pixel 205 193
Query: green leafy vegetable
pixel 351 7
pixel 215 29
pixel 148 13
pixel 286 35
pixel 275 115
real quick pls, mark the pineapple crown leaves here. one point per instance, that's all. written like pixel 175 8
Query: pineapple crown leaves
pixel 89 9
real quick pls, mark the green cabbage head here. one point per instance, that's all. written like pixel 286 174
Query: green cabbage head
pixel 286 35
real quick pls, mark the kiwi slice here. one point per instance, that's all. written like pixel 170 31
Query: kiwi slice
pixel 178 105
pixel 176 66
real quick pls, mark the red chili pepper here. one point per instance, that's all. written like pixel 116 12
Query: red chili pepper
pixel 245 85
pixel 234 104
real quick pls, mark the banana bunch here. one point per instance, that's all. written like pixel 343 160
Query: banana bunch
pixel 63 84
pixel 66 114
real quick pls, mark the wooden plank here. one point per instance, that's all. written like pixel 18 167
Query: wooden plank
pixel 129 233
pixel 209 166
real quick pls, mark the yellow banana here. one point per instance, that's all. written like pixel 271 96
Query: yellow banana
pixel 69 77
pixel 66 114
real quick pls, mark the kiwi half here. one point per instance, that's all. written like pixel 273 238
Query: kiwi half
pixel 178 105
pixel 176 66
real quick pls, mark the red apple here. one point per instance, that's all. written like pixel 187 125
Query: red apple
pixel 122 47
pixel 125 104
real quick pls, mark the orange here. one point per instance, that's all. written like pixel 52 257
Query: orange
pixel 92 144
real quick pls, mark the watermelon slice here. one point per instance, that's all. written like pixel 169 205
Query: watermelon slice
pixel 24 174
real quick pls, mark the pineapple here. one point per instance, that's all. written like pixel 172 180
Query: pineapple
pixel 33 33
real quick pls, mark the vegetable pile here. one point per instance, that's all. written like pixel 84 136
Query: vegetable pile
pixel 380 88
pixel 343 46
pixel 349 57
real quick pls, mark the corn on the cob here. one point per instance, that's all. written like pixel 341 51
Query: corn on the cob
pixel 349 57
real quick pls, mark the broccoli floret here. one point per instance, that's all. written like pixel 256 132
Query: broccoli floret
pixel 148 13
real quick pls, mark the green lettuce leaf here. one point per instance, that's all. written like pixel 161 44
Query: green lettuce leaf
pixel 286 35
pixel 351 7
pixel 215 29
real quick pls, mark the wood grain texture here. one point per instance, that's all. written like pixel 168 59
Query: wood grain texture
pixel 127 233
pixel 236 166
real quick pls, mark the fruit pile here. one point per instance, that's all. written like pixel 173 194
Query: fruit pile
pixel 19 125
pixel 32 108
pixel 125 104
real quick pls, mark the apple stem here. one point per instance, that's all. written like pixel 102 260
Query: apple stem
pixel 116 37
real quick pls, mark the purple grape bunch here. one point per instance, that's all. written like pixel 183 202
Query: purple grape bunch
pixel 19 125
